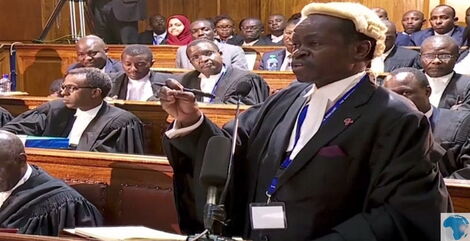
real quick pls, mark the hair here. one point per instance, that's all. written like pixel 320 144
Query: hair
pixel 219 18
pixel 419 75
pixel 293 21
pixel 445 5
pixel 211 23
pixel 198 41
pixel 249 18
pixel 294 17
pixel 94 78
pixel 138 49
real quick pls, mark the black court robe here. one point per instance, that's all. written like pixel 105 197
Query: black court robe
pixel 112 130
pixel 367 174
pixel 5 116
pixel 44 205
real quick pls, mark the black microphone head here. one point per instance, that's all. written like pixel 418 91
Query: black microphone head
pixel 243 89
pixel 216 160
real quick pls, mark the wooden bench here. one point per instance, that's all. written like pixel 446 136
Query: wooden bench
pixel 155 119
pixel 127 189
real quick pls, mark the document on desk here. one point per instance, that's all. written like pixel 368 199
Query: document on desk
pixel 125 233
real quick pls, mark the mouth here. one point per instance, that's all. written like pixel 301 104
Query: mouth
pixel 296 65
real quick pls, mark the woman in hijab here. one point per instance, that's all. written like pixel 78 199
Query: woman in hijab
pixel 179 32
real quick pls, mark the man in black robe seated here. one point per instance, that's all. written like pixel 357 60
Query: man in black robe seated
pixel 5 116
pixel 34 202
pixel 339 158
pixel 82 116
pixel 212 76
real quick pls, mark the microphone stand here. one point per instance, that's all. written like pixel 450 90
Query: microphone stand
pixel 206 234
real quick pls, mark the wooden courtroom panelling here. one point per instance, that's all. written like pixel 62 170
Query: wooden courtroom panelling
pixel 459 191
pixel 151 114
pixel 4 61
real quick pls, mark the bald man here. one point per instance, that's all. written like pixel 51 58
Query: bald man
pixel 394 56
pixel 438 57
pixel 34 202
pixel 381 13
pixel 443 22
pixel 93 52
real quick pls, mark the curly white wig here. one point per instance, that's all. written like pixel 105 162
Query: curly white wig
pixel 364 19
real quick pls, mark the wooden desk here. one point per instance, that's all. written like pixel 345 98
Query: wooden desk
pixel 151 114
pixel 459 191
pixel 25 237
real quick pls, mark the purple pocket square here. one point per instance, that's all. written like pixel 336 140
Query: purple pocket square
pixel 331 151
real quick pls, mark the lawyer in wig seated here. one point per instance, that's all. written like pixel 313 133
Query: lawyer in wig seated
pixel 82 116
pixel 34 202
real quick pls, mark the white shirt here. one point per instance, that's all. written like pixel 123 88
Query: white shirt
pixel 158 37
pixel 377 65
pixel 5 195
pixel 319 100
pixel 250 43
pixel 286 63
pixel 139 89
pixel 463 67
pixel 277 39
pixel 83 119
pixel 438 85
pixel 208 83
pixel 428 113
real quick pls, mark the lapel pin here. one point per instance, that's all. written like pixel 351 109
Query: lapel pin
pixel 348 121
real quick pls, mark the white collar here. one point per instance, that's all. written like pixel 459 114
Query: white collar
pixel 215 76
pixel 277 39
pixel 448 33
pixel 428 113
pixel 443 79
pixel 89 113
pixel 333 90
pixel 385 55
pixel 5 195
pixel 145 78
pixel 163 35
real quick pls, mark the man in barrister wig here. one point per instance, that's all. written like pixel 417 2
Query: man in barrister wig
pixel 34 202
pixel 335 156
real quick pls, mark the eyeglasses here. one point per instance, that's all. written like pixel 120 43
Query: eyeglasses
pixel 89 53
pixel 73 88
pixel 198 56
pixel 224 26
pixel 441 57
pixel 250 28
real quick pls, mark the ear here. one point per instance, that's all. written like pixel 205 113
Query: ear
pixel 96 93
pixel 220 52
pixel 456 19
pixel 152 62
pixel 106 51
pixel 361 49
pixel 22 158
pixel 428 91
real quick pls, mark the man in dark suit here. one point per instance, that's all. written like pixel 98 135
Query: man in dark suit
pixel 277 24
pixel 116 21
pixel 338 157
pixel 283 56
pixel 157 35
pixel 443 21
pixel 93 52
pixel 412 21
pixel 438 57
pixel 451 128
pixel 251 30
pixel 212 76
pixel 394 56
pixel 137 82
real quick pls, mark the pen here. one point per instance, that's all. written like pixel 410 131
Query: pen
pixel 194 91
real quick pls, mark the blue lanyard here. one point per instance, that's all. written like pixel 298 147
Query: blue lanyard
pixel 303 113
pixel 215 86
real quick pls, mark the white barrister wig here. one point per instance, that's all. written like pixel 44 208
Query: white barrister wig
pixel 365 20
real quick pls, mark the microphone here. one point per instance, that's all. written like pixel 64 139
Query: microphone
pixel 243 89
pixel 214 173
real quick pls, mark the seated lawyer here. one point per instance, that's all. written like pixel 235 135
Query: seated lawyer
pixel 438 57
pixel 93 52
pixel 355 158
pixel 283 56
pixel 451 128
pixel 412 22
pixel 34 202
pixel 212 76
pixel 394 56
pixel 89 122
pixel 251 30
pixel 5 116
pixel 204 29
pixel 137 82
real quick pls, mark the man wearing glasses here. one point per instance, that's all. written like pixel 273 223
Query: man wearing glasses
pixel 438 57
pixel 82 116
pixel 251 30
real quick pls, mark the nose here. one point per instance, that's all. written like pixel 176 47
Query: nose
pixel 64 93
pixel 436 60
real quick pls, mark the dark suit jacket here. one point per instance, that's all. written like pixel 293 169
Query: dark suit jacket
pixel 112 66
pixel 5 116
pixel 112 130
pixel 401 57
pixel 263 41
pixel 456 92
pixel 280 55
pixel 129 10
pixel 417 38
pixel 403 39
pixel 369 179
pixel 119 87
pixel 227 85
pixel 146 37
